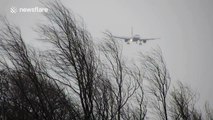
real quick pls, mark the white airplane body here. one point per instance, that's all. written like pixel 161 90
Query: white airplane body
pixel 136 38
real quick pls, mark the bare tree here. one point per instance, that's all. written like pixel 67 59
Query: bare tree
pixel 209 111
pixel 105 88
pixel 123 82
pixel 183 101
pixel 73 58
pixel 29 93
pixel 103 97
pixel 140 101
pixel 159 79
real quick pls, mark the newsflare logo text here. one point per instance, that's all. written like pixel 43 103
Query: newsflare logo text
pixel 28 10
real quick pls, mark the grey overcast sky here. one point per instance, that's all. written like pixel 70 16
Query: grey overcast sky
pixel 184 26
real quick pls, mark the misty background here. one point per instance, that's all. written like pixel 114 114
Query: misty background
pixel 185 29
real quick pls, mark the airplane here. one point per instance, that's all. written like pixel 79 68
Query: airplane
pixel 136 38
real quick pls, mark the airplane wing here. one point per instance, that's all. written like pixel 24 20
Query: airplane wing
pixel 125 38
pixel 145 39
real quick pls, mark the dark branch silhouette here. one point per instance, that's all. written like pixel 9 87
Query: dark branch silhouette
pixel 159 79
pixel 76 80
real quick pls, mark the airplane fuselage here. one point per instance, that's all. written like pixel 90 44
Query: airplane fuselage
pixel 135 38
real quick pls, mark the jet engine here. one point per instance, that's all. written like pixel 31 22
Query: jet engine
pixel 127 41
pixel 144 41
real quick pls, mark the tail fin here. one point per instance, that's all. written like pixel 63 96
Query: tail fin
pixel 131 31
